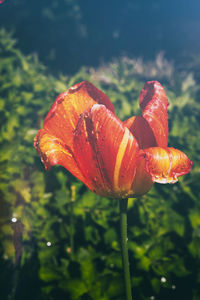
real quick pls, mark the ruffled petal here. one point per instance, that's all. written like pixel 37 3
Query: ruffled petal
pixel 63 116
pixel 166 164
pixel 54 151
pixel 153 103
pixel 106 152
pixel 142 131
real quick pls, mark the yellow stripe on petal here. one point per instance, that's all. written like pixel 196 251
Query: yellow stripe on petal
pixel 165 165
pixel 122 148
pixel 106 152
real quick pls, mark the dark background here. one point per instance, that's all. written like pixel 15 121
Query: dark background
pixel 68 34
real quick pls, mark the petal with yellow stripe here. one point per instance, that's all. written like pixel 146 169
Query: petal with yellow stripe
pixel 165 165
pixel 106 152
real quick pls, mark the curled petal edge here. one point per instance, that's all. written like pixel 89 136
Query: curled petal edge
pixel 53 151
pixel 165 165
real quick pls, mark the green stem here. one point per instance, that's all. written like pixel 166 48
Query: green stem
pixel 124 247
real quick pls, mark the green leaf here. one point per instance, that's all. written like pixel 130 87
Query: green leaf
pixel 48 274
pixel 194 217
pixel 110 236
pixel 155 282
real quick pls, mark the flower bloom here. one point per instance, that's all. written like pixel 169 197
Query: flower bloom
pixel 113 158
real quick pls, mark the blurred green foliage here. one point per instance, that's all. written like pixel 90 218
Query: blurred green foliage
pixel 65 242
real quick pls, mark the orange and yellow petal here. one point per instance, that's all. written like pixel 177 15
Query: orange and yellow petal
pixel 63 116
pixel 54 151
pixel 165 165
pixel 106 152
pixel 142 131
pixel 153 103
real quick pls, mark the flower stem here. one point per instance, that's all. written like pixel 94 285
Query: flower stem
pixel 124 247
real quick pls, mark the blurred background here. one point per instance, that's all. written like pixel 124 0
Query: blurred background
pixel 57 239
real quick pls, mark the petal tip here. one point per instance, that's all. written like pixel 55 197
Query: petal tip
pixel 78 86
pixel 165 165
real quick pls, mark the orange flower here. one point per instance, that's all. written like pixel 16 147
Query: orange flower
pixel 113 158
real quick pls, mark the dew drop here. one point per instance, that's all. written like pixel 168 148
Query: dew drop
pixel 163 279
pixel 173 287
pixel 68 249
pixel 14 220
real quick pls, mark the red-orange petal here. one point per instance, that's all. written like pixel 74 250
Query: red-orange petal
pixel 106 152
pixel 63 116
pixel 153 103
pixel 142 182
pixel 142 131
pixel 166 164
pixel 54 151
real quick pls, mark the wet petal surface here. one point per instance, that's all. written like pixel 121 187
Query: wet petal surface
pixel 165 165
pixel 153 103
pixel 106 152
